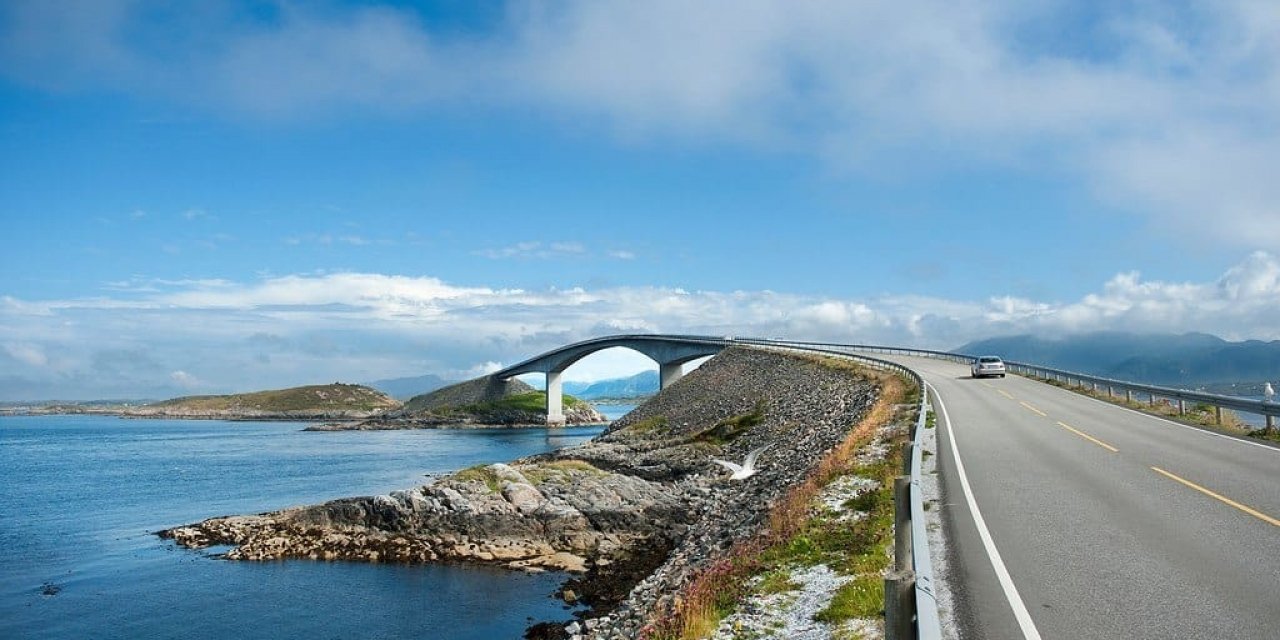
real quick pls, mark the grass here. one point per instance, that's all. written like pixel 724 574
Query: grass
pixel 797 534
pixel 649 425
pixel 862 597
pixel 559 471
pixel 726 430
pixel 479 473
pixel 777 582
pixel 1266 434
pixel 328 397
pixel 531 401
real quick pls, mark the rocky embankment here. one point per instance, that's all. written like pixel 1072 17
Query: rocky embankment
pixel 640 508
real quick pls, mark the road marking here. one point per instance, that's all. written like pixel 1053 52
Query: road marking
pixel 1088 437
pixel 1253 512
pixel 1033 409
pixel 1020 612
pixel 1005 393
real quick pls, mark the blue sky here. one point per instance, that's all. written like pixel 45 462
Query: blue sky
pixel 240 195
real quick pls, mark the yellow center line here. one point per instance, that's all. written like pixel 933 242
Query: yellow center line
pixel 1035 410
pixel 1005 393
pixel 1253 512
pixel 1088 437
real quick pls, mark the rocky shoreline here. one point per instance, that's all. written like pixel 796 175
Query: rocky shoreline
pixel 636 511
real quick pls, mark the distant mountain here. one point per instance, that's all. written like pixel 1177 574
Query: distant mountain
pixel 1188 360
pixel 405 388
pixel 639 385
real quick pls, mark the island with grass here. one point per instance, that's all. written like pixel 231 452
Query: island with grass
pixel 482 402
pixel 335 401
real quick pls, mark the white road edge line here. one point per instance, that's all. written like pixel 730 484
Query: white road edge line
pixel 1020 612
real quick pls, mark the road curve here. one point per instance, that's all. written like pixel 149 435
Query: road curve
pixel 1108 523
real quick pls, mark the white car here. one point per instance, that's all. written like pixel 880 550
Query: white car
pixel 987 366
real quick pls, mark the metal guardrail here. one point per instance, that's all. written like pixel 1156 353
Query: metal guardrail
pixel 926 623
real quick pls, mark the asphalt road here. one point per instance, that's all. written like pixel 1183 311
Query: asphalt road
pixel 1108 523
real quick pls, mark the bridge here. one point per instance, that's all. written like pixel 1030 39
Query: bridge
pixel 1064 516
pixel 670 352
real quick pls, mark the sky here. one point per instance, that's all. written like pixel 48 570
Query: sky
pixel 219 196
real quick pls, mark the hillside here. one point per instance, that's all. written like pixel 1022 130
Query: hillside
pixel 330 401
pixel 640 385
pixel 1188 360
pixel 406 388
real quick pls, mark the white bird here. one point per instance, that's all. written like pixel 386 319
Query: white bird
pixel 748 466
pixel 1268 394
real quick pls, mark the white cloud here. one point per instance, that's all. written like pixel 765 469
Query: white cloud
pixel 185 380
pixel 288 330
pixel 1170 111
pixel 28 354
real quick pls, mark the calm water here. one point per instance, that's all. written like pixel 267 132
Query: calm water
pixel 81 497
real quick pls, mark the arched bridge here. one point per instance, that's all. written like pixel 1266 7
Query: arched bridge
pixel 669 351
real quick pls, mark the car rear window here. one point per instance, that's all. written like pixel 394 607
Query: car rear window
pixel 988 359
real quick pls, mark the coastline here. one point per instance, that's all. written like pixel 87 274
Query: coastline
pixel 645 484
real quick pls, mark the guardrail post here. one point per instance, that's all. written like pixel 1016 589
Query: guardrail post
pixel 901 524
pixel 1217 413
pixel 899 605
pixel 1128 395
pixel 1271 422
pixel 1182 407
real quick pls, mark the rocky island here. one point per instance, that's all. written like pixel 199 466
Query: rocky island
pixel 640 510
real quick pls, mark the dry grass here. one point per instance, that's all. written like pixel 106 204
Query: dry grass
pixel 716 590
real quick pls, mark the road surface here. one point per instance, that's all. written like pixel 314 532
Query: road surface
pixel 1098 521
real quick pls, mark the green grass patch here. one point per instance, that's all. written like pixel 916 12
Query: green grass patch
pixel 862 597
pixel 649 425
pixel 531 401
pixel 327 397
pixel 728 429
pixel 777 581
pixel 559 471
pixel 479 473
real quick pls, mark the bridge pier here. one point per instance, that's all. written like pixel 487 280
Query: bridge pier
pixel 555 399
pixel 669 372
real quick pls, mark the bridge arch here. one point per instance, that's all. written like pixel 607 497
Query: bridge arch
pixel 670 352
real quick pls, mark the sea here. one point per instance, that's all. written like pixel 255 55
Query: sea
pixel 81 498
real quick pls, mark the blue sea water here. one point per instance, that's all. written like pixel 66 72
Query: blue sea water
pixel 81 498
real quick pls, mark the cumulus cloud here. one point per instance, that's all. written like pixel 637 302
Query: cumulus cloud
pixel 1170 111
pixel 296 329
